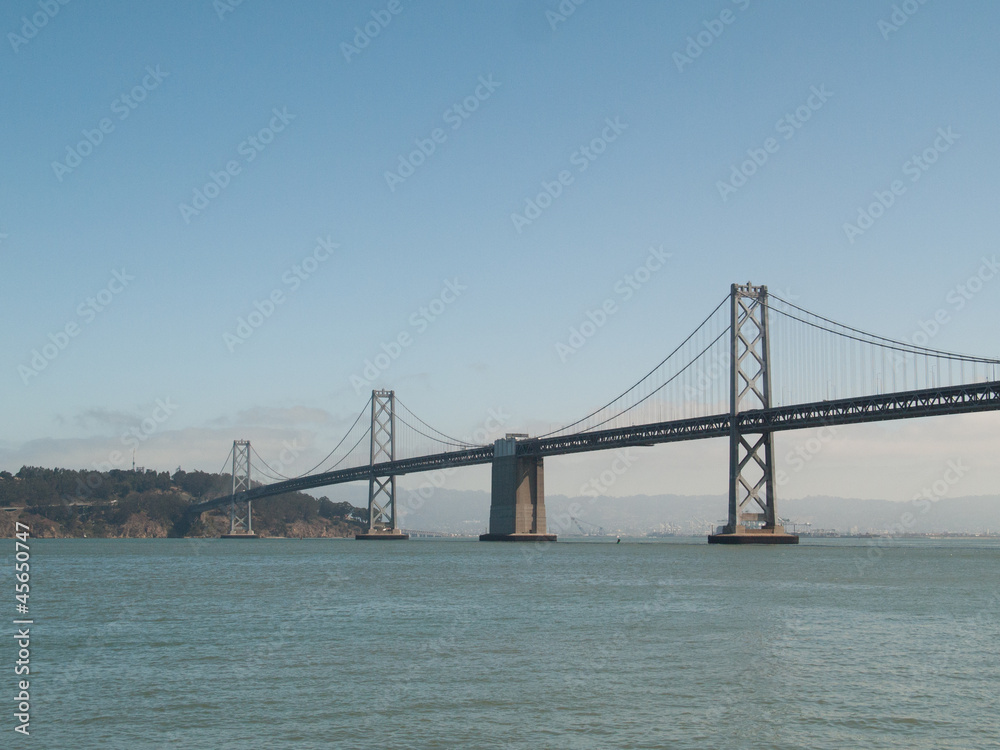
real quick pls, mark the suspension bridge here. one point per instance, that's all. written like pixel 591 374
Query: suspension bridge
pixel 757 365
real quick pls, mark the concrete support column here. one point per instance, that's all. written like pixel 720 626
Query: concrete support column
pixel 517 505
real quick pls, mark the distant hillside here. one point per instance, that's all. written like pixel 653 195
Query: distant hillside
pixel 67 503
pixel 468 512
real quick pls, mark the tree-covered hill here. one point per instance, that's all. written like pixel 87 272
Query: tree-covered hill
pixel 146 503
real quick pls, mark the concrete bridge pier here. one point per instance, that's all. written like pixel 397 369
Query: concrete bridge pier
pixel 517 504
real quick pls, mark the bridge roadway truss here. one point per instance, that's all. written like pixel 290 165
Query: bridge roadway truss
pixel 926 402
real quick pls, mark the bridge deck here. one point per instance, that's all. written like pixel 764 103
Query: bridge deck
pixel 904 405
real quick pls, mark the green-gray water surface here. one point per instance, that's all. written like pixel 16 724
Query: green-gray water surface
pixel 439 644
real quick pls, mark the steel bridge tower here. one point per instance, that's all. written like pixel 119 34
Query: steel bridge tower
pixel 240 516
pixel 751 455
pixel 382 487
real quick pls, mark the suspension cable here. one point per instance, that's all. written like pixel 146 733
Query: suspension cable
pixel 325 458
pixel 924 349
pixel 643 379
pixel 664 385
pixel 901 346
pixel 275 473
pixel 455 441
pixel 346 455
pixel 431 437
pixel 226 462
pixel 273 476
pixel 346 434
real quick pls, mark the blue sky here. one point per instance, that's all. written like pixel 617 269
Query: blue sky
pixel 865 95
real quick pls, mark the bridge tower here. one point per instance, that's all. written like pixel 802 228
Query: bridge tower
pixel 240 516
pixel 517 500
pixel 382 487
pixel 751 455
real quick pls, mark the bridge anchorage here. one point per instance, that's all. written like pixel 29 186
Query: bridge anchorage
pixel 382 486
pixel 751 462
pixel 240 516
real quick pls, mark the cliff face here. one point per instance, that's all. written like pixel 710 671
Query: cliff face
pixel 217 523
pixel 41 528
pixel 141 526
pixel 151 506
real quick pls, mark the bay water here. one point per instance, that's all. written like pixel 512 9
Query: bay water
pixel 841 643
